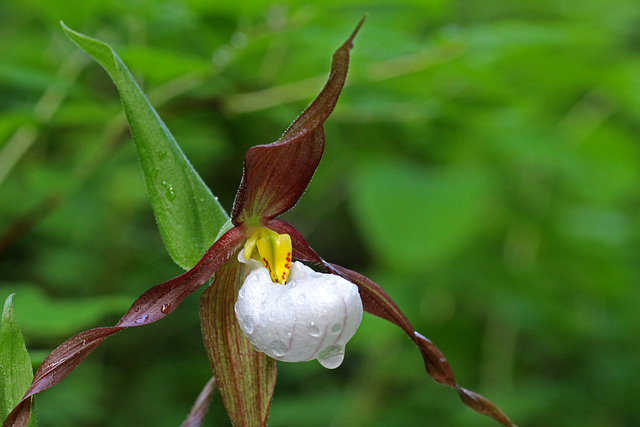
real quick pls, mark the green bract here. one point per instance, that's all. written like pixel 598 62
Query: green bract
pixel 189 216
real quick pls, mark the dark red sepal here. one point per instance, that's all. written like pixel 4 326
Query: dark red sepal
pixel 276 175
pixel 377 302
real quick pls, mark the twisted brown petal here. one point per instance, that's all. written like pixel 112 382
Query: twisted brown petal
pixel 377 302
pixel 246 378
pixel 276 175
pixel 151 306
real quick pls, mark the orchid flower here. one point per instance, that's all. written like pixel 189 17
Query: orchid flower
pixel 264 304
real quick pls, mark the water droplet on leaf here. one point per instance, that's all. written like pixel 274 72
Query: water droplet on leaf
pixel 169 192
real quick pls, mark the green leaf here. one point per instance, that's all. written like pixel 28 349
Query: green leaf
pixel 189 216
pixel 16 373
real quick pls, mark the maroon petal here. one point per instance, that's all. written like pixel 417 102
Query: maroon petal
pixel 377 302
pixel 199 409
pixel 276 175
pixel 151 306
pixel 246 378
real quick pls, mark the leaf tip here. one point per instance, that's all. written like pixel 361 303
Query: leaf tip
pixel 9 301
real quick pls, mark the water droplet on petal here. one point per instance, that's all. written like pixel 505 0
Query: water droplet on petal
pixel 313 330
pixel 331 357
pixel 301 299
pixel 336 328
pixel 247 325
pixel 263 307
pixel 241 293
pixel 277 349
pixel 272 315
pixel 141 319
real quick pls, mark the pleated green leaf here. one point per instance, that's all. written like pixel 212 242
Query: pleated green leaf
pixel 188 215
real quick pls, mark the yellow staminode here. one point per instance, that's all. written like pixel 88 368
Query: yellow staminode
pixel 274 251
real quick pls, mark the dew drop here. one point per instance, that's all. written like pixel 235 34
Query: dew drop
pixel 241 293
pixel 141 319
pixel 165 308
pixel 247 325
pixel 336 328
pixel 263 307
pixel 331 357
pixel 169 192
pixel 272 315
pixel 301 299
pixel 313 330
pixel 278 348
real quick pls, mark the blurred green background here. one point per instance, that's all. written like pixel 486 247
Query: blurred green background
pixel 482 165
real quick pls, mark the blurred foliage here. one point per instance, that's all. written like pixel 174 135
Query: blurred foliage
pixel 482 165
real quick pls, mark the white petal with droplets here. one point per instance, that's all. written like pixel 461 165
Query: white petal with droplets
pixel 313 316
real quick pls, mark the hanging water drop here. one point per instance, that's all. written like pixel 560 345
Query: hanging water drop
pixel 331 357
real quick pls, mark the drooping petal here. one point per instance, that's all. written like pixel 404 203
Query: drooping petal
pixel 246 378
pixel 276 175
pixel 151 306
pixel 377 302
